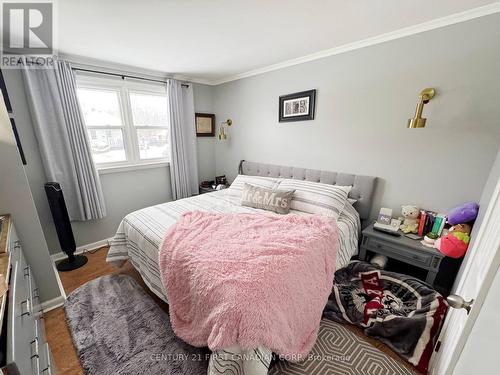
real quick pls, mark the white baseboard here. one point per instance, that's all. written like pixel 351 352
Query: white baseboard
pixel 53 304
pixel 81 249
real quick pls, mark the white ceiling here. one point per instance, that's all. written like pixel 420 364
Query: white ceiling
pixel 218 40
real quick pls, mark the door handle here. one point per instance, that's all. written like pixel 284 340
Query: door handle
pixel 458 302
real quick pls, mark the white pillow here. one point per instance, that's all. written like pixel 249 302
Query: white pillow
pixel 236 187
pixel 316 198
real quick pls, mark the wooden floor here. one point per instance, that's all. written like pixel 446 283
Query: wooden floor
pixel 57 331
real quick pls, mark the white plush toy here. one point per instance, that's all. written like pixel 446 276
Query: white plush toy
pixel 410 223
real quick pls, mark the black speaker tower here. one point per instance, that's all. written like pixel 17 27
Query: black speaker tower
pixel 63 228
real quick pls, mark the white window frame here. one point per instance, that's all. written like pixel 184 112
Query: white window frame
pixel 129 131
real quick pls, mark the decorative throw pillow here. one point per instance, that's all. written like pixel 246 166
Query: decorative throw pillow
pixel 267 199
pixel 236 187
pixel 317 198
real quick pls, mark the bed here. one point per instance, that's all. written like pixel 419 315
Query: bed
pixel 140 233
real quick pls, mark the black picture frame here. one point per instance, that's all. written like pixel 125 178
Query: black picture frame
pixel 204 117
pixel 291 109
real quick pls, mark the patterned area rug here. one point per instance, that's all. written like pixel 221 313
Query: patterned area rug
pixel 339 351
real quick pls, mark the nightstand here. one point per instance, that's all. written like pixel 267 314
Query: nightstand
pixel 403 249
pixel 204 189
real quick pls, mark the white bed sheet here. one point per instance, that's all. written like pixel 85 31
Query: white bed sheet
pixel 140 233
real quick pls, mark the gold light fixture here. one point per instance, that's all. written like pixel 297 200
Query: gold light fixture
pixel 418 121
pixel 222 129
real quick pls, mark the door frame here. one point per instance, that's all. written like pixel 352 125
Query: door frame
pixel 444 361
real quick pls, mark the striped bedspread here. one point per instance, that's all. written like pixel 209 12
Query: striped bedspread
pixel 140 233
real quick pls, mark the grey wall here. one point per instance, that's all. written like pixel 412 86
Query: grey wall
pixel 124 192
pixel 364 99
pixel 204 103
pixel 489 188
pixel 16 199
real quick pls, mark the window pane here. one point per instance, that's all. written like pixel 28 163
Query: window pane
pixel 107 145
pixel 153 143
pixel 100 107
pixel 149 109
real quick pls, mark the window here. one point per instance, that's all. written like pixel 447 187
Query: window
pixel 127 121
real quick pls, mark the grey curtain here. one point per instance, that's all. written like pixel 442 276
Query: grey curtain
pixel 63 139
pixel 183 154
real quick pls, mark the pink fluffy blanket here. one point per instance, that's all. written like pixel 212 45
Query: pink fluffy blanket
pixel 249 280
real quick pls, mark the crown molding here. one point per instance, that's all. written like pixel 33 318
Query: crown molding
pixel 437 23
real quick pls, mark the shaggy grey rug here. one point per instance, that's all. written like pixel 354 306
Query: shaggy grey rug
pixel 117 328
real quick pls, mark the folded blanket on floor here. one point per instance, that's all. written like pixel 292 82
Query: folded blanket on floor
pixel 399 310
pixel 249 280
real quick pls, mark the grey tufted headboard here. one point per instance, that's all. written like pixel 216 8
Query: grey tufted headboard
pixel 362 186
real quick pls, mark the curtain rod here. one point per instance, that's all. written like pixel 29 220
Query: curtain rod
pixel 124 76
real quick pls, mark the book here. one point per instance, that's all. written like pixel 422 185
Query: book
pixel 429 222
pixel 439 223
pixel 421 223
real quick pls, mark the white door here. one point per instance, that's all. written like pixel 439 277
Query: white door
pixel 475 282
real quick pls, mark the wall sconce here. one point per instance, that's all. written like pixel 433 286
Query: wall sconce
pixel 222 129
pixel 418 121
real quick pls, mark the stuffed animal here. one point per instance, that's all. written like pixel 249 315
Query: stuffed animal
pixel 464 213
pixel 456 242
pixel 410 223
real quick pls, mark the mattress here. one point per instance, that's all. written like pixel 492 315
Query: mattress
pixel 140 233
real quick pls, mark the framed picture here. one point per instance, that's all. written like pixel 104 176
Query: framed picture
pixel 298 106
pixel 205 124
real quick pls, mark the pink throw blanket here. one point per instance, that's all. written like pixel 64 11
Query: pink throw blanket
pixel 249 280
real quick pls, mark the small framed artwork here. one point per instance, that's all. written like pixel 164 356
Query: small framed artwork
pixel 298 106
pixel 205 124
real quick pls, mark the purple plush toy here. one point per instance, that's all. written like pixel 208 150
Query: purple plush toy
pixel 463 214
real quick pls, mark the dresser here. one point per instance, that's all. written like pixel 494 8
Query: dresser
pixel 24 347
